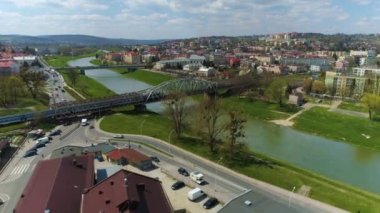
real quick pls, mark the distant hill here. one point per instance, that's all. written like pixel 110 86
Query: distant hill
pixel 72 40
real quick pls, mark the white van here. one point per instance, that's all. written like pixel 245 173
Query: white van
pixel 84 122
pixel 195 194
pixel 42 140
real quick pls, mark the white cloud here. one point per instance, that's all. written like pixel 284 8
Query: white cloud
pixel 65 4
pixel 362 2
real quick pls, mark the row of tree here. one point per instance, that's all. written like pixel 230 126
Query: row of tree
pixel 211 122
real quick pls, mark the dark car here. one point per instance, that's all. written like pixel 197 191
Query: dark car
pixel 211 202
pixel 183 171
pixel 177 185
pixel 67 123
pixel 30 152
pixel 55 132
pixel 39 145
pixel 155 159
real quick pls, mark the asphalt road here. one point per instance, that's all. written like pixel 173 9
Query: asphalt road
pixel 16 175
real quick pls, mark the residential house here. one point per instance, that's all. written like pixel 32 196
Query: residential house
pixel 206 71
pixel 341 65
pixel 8 67
pixel 126 191
pixel 132 58
pixel 20 60
pixel 129 156
pixel 57 185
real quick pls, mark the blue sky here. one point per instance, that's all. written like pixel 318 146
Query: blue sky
pixel 155 19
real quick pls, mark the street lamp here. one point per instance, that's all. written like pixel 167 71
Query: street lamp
pixel 291 195
pixel 216 174
pixel 141 126
pixel 170 139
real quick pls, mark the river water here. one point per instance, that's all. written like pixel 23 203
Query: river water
pixel 350 164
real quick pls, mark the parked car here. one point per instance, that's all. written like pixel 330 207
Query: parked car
pixel 197 177
pixel 177 185
pixel 211 202
pixel 155 159
pixel 39 145
pixel 30 152
pixel 118 136
pixel 183 171
pixel 55 132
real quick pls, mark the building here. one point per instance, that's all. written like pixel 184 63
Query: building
pixel 268 59
pixel 341 65
pixel 323 63
pixel 129 156
pixel 20 60
pixel 206 72
pixel 8 67
pixel 191 67
pixel 57 185
pixel 179 63
pixel 98 149
pixel 126 192
pixel 113 57
pixel 365 71
pixel 345 85
pixel 132 58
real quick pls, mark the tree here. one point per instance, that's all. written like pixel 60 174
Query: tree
pixel 34 81
pixel 209 123
pixel 235 128
pixel 307 85
pixel 15 88
pixel 175 108
pixel 276 91
pixel 372 102
pixel 73 76
pixel 318 87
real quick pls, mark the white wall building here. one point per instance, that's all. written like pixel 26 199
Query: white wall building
pixel 28 59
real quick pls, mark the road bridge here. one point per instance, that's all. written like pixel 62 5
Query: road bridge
pixel 129 66
pixel 189 86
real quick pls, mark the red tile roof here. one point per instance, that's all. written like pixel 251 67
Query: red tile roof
pixel 126 192
pixel 57 185
pixel 132 155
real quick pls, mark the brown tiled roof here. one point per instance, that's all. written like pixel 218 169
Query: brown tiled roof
pixel 57 185
pixel 126 192
pixel 132 155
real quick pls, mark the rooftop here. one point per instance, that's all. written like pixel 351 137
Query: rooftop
pixel 57 185
pixel 126 192
pixel 130 154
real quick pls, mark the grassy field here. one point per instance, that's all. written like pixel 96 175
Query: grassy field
pixel 61 61
pixel 276 173
pixel 151 78
pixel 86 86
pixel 359 107
pixel 24 105
pixel 339 127
pixel 257 109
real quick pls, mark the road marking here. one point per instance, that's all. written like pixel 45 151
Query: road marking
pixel 4 197
pixel 16 173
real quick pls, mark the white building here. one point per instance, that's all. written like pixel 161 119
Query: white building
pixel 191 67
pixel 363 71
pixel 206 71
pixel 28 59
pixel 315 68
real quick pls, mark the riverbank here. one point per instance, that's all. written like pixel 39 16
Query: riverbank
pixel 277 173
pixel 86 86
pixel 345 128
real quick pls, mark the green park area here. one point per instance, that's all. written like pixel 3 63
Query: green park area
pixel 350 129
pixel 151 78
pixel 358 107
pixel 61 60
pixel 271 171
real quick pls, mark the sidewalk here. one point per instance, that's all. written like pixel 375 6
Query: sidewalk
pixel 268 188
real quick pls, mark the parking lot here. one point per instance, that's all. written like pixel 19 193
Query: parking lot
pixel 178 198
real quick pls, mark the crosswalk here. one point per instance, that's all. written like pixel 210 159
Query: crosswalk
pixel 4 197
pixel 16 173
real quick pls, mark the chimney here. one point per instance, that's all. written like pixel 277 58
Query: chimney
pixel 140 186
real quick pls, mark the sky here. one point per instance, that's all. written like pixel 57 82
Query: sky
pixel 169 19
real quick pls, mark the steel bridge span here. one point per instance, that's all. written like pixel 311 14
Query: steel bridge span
pixel 189 86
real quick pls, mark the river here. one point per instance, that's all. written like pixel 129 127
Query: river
pixel 347 163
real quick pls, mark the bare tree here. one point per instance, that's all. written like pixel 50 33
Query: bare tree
pixel 175 108
pixel 73 76
pixel 15 88
pixel 235 128
pixel 34 81
pixel 210 115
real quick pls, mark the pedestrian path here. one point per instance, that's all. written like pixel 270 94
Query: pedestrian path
pixel 16 173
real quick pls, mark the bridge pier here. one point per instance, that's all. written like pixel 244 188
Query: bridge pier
pixel 140 107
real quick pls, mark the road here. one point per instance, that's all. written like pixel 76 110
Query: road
pixel 16 175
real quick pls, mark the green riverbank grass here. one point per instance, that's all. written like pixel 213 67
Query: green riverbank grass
pixel 151 78
pixel 86 86
pixel 277 173
pixel 256 109
pixel 340 127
